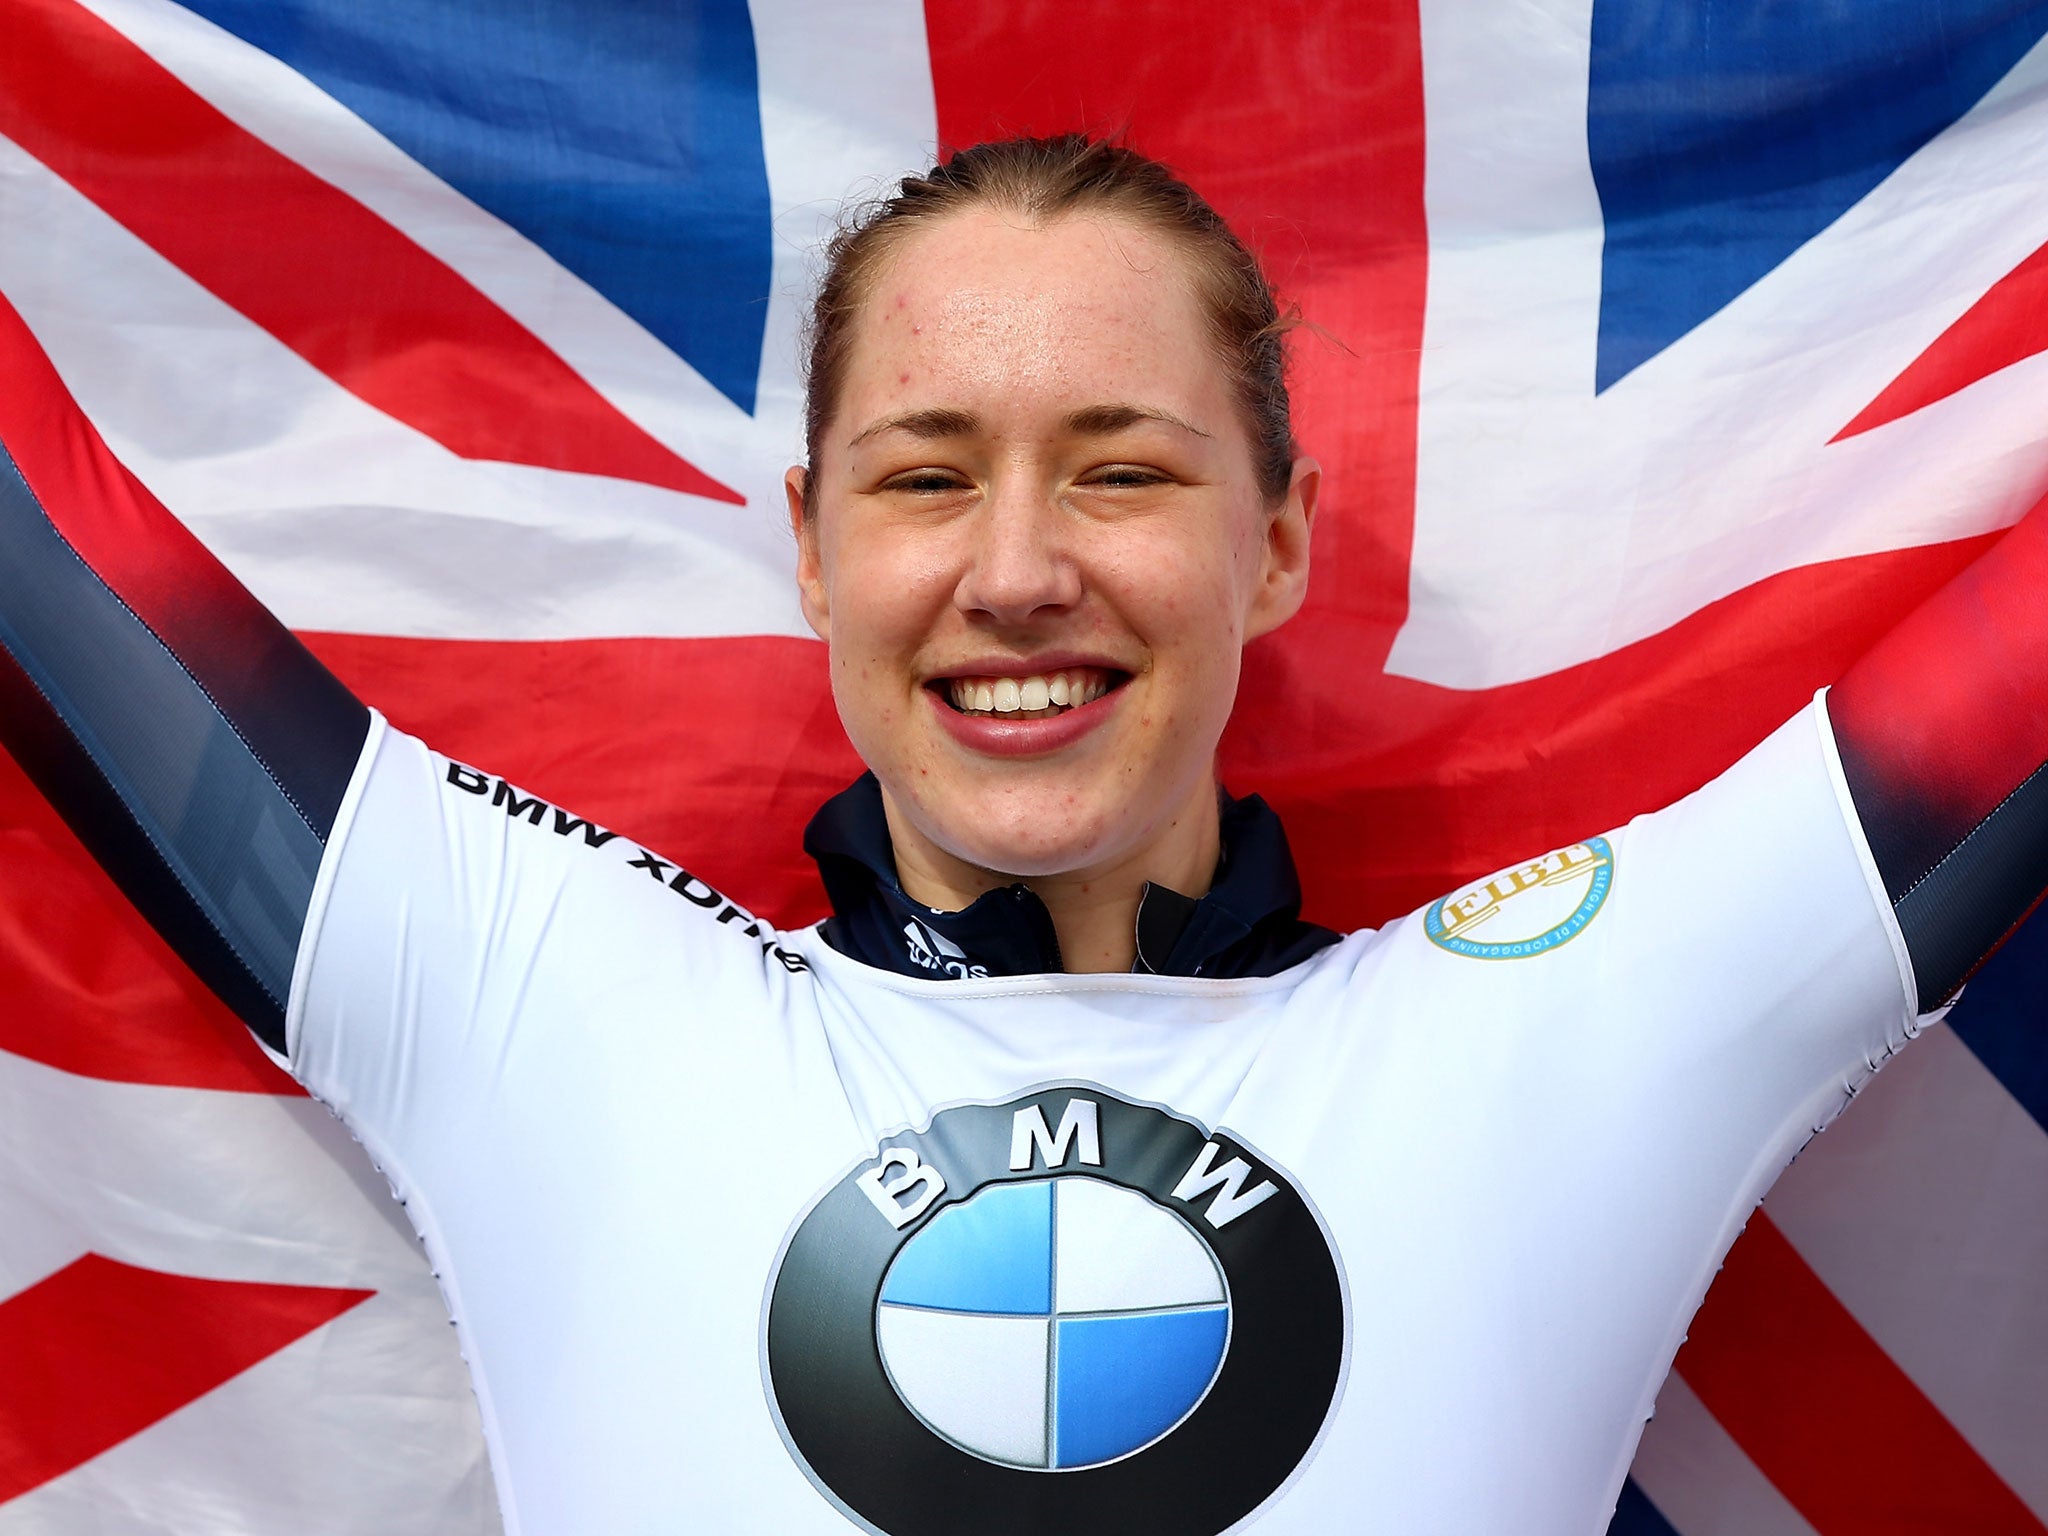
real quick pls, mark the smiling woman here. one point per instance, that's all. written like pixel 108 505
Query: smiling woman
pixel 1052 493
pixel 1064 1179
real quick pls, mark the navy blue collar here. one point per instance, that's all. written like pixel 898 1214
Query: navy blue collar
pixel 1249 923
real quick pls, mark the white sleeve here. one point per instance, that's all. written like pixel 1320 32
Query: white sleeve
pixel 1735 948
pixel 1781 922
pixel 1747 948
pixel 462 933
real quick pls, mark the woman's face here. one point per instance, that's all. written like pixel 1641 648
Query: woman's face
pixel 1039 546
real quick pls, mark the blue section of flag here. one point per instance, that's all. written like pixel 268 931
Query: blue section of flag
pixel 1635 1515
pixel 1725 136
pixel 990 1254
pixel 2003 1016
pixel 1124 1381
pixel 623 139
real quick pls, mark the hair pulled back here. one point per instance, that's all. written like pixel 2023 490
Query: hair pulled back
pixel 1043 179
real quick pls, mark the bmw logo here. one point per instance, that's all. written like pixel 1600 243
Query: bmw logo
pixel 1063 1311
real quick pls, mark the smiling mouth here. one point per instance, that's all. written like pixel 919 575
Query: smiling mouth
pixel 1038 697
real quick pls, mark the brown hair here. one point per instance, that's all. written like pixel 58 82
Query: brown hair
pixel 1043 179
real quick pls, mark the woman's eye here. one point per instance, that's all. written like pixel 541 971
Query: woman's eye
pixel 1125 475
pixel 924 481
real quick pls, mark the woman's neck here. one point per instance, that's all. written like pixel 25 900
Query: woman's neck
pixel 1094 910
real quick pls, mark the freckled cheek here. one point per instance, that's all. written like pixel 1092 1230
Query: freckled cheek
pixel 1189 606
pixel 883 602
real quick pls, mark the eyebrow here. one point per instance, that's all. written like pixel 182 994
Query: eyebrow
pixel 928 425
pixel 938 422
pixel 1102 420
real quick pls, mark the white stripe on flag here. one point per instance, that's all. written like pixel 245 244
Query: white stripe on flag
pixel 341 518
pixel 366 1424
pixel 350 1429
pixel 1926 1213
pixel 334 514
pixel 846 111
pixel 827 130
pixel 231 1186
pixel 292 114
pixel 1553 525
pixel 1700 1480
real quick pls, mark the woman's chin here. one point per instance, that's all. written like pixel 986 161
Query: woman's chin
pixel 1022 836
pixel 1028 857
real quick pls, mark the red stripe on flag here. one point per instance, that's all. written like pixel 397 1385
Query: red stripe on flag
pixel 1824 1413
pixel 345 290
pixel 1394 791
pixel 2008 325
pixel 716 752
pixel 89 987
pixel 1302 122
pixel 100 1351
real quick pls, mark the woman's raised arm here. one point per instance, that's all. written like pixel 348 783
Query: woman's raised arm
pixel 1943 734
pixel 198 750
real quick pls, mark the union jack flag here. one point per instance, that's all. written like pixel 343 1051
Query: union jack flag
pixel 1660 355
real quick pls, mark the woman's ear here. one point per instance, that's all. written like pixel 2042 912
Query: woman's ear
pixel 1283 573
pixel 810 574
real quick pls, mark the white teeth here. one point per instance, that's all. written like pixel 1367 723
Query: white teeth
pixel 1027 695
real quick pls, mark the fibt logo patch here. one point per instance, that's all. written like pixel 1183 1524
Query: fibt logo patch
pixel 1065 1311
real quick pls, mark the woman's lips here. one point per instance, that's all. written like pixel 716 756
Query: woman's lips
pixel 1018 731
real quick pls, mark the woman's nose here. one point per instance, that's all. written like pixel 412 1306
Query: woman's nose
pixel 1020 561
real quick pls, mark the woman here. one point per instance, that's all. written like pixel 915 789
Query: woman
pixel 1064 1180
